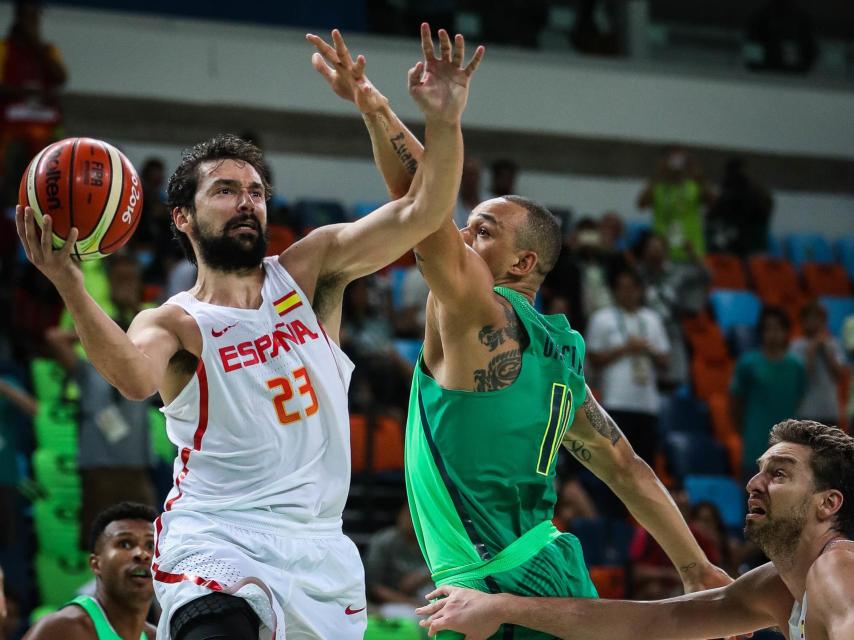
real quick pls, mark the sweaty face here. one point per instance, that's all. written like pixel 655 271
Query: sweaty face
pixel 122 560
pixel 230 220
pixel 780 498
pixel 491 232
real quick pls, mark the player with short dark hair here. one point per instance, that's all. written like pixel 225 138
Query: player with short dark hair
pixel 800 513
pixel 497 388
pixel 122 544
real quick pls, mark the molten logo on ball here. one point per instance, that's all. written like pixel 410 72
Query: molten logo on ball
pixel 52 177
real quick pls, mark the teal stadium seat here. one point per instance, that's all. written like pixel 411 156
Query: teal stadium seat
pixel 838 309
pixel 725 493
pixel 361 209
pixel 733 307
pixel 808 247
pixel 845 253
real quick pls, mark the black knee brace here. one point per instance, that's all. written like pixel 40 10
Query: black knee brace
pixel 217 616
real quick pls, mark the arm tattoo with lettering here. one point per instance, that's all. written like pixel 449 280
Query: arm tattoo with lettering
pixel 491 337
pixel 501 371
pixel 601 421
pixel 580 450
pixel 409 163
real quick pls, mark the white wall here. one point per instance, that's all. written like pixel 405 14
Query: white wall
pixel 213 62
pixel 351 181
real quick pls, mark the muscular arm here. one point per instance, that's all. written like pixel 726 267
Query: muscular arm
pixel 597 442
pixel 830 585
pixel 70 623
pixel 756 600
pixel 397 152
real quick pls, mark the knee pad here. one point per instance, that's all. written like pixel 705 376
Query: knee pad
pixel 217 616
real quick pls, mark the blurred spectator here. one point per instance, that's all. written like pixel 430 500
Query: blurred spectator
pixel 572 502
pixel 409 320
pixel 705 518
pixel 783 33
pixel 470 192
pixel 673 289
pixel 503 174
pixel 653 575
pixel 848 342
pixel 561 291
pixel 824 360
pixel 739 220
pixel 31 72
pixel 627 344
pixel 593 264
pixel 396 576
pixel 381 378
pixel 115 457
pixel 152 241
pixel 595 28
pixel 611 229
pixel 677 193
pixel 16 405
pixel 767 386
pixel 37 307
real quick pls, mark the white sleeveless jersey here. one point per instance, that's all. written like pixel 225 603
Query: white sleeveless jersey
pixel 798 620
pixel 263 425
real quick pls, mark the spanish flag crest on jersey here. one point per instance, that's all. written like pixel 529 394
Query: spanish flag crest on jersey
pixel 287 303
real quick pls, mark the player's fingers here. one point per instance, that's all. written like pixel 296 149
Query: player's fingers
pixel 21 228
pixel 475 60
pixel 427 42
pixel 47 235
pixel 459 50
pixel 445 45
pixel 341 48
pixel 415 74
pixel 323 47
pixel 440 592
pixel 430 609
pixel 67 248
pixel 436 626
pixel 322 68
pixel 359 67
pixel 31 235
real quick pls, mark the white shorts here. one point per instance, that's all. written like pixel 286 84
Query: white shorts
pixel 305 582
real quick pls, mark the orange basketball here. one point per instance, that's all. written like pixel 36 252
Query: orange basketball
pixel 88 184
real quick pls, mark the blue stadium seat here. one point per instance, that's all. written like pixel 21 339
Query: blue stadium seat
pixel 692 453
pixel 361 209
pixel 634 230
pixel 837 310
pixel 311 214
pixel 408 348
pixel 396 275
pixel 845 253
pixel 734 307
pixel 725 493
pixel 682 411
pixel 774 249
pixel 808 247
pixel 605 541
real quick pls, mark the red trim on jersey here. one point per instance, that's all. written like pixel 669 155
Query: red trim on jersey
pixel 197 436
pixel 158 527
pixel 172 578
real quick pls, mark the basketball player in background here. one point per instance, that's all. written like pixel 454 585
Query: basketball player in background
pixel 494 390
pixel 254 383
pixel 122 542
pixel 800 513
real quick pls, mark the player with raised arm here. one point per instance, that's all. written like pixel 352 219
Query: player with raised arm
pixel 497 388
pixel 254 383
pixel 800 513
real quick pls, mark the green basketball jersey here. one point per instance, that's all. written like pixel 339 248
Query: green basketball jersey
pixel 480 465
pixel 103 629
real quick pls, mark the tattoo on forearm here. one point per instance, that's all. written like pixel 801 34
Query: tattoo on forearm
pixel 501 371
pixel 687 567
pixel 491 337
pixel 601 421
pixel 580 450
pixel 397 143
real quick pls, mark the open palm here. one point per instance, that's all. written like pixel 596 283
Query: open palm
pixel 440 85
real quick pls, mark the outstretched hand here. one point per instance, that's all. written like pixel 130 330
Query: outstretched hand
pixel 440 86
pixel 55 264
pixel 472 613
pixel 709 576
pixel 344 76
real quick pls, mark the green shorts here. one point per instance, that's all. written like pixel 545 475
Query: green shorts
pixel 558 570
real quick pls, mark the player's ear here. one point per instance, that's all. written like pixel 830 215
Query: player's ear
pixel 526 262
pixel 830 504
pixel 95 564
pixel 181 218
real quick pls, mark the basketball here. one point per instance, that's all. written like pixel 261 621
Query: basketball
pixel 88 184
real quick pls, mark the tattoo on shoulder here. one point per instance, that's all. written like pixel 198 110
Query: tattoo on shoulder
pixel 601 421
pixel 399 146
pixel 501 371
pixel 491 337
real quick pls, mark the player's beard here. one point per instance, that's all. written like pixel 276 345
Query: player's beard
pixel 229 253
pixel 778 537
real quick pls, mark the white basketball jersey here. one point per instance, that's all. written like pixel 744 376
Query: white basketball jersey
pixel 263 425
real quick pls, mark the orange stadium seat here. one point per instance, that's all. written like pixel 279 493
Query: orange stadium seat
pixel 610 581
pixel 775 280
pixel 280 238
pixel 826 279
pixel 727 271
pixel 711 376
pixel 719 409
pixel 387 449
pixel 705 337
